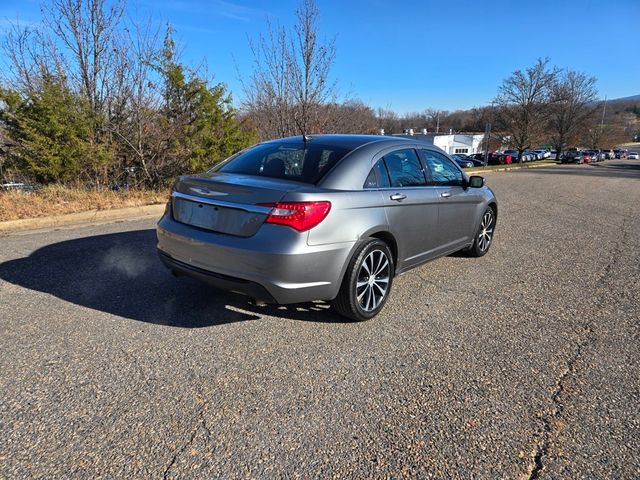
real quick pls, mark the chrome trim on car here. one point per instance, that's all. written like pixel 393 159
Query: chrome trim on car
pixel 207 193
pixel 220 203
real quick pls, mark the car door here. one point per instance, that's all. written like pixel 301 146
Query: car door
pixel 458 205
pixel 411 205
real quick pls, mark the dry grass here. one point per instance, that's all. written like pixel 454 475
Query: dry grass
pixel 58 200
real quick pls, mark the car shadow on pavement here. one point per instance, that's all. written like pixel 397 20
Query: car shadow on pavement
pixel 120 274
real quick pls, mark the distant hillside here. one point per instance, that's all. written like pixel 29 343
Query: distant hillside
pixel 632 98
pixel 615 106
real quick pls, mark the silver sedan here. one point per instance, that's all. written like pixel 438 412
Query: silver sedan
pixel 324 217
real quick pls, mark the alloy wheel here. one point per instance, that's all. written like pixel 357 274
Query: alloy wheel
pixel 486 231
pixel 372 283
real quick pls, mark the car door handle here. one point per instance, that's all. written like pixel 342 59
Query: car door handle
pixel 398 197
pixel 445 194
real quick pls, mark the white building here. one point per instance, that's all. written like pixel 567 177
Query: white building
pixel 467 143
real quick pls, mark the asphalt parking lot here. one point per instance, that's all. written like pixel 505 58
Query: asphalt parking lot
pixel 521 364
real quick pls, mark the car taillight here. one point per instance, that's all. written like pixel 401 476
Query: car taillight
pixel 300 216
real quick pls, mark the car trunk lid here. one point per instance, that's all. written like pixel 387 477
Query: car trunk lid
pixel 232 204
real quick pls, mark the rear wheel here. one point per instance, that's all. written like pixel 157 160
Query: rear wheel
pixel 367 282
pixel 484 235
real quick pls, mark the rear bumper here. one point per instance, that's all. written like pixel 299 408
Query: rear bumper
pixel 224 282
pixel 276 265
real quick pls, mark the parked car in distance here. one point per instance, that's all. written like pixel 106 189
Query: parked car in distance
pixel 633 156
pixel 462 162
pixel 514 155
pixel 534 155
pixel 493 158
pixel 543 153
pixel 502 159
pixel 478 158
pixel 586 157
pixel 609 154
pixel 19 186
pixel 324 217
pixel 620 153
pixel 476 163
pixel 594 155
pixel 598 154
pixel 572 155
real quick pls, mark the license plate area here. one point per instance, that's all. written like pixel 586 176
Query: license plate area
pixel 217 218
pixel 197 214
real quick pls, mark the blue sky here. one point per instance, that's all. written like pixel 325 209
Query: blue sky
pixel 408 56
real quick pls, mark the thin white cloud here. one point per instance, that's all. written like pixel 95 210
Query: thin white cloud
pixel 7 25
pixel 234 10
pixel 221 8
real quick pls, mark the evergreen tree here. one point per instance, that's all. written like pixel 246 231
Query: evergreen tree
pixel 51 132
pixel 199 119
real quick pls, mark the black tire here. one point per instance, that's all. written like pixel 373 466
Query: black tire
pixel 365 301
pixel 484 235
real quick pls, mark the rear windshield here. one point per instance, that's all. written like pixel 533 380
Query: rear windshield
pixel 289 161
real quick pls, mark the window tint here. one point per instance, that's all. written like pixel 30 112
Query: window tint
pixel 378 176
pixel 443 171
pixel 290 161
pixel 405 169
pixel 371 181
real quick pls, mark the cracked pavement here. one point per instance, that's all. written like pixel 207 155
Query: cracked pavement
pixel 521 364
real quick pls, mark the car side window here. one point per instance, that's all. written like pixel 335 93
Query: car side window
pixel 443 171
pixel 378 176
pixel 405 169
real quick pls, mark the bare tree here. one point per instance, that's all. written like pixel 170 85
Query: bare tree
pixel 88 29
pixel 572 98
pixel 18 47
pixel 522 104
pixel 352 116
pixel 311 63
pixel 433 117
pixel 129 111
pixel 31 55
pixel 136 105
pixel 290 86
pixel 268 92
pixel 388 120
pixel 609 135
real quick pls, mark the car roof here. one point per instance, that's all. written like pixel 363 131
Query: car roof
pixel 348 141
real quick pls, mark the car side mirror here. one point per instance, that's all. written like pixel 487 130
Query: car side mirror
pixel 476 181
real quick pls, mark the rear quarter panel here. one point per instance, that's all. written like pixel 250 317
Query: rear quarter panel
pixel 352 215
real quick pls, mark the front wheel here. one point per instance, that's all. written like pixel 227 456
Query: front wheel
pixel 484 235
pixel 367 282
